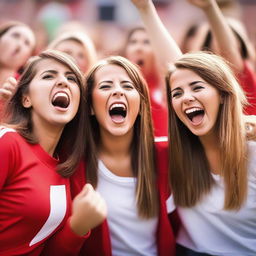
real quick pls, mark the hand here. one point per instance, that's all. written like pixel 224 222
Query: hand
pixel 141 4
pixel 8 88
pixel 89 210
pixel 203 4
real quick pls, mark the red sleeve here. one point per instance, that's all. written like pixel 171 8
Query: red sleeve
pixel 7 155
pixel 64 242
pixel 248 82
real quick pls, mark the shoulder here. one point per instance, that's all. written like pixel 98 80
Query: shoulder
pixel 7 134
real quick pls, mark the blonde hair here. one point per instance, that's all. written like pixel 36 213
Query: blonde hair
pixel 190 175
pixel 143 155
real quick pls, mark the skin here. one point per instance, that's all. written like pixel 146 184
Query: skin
pixel 190 91
pixel 113 85
pixel 76 50
pixel 139 51
pixel 48 120
pixel 48 123
pixel 16 46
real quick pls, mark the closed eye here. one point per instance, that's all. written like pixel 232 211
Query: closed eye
pixel 105 86
pixel 198 88
pixel 128 86
pixel 176 94
pixel 48 76
pixel 72 78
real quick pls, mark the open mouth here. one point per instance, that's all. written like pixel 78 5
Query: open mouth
pixel 196 115
pixel 118 112
pixel 61 100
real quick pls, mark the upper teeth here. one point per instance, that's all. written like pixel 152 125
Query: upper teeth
pixel 118 105
pixel 60 94
pixel 188 111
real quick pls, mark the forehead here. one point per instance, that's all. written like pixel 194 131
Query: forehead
pixel 111 72
pixel 140 33
pixel 23 30
pixel 51 64
pixel 182 77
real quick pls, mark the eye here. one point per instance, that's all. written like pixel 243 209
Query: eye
pixel 198 88
pixel 16 35
pixel 47 76
pixel 128 86
pixel 105 86
pixel 72 78
pixel 176 94
pixel 146 41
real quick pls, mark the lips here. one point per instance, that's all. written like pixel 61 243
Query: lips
pixel 61 100
pixel 118 112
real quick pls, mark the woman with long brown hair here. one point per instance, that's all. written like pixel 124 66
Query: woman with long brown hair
pixel 41 145
pixel 121 164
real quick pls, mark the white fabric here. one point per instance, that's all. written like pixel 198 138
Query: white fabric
pixel 208 228
pixel 130 235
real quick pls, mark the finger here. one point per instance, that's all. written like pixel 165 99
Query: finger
pixel 12 80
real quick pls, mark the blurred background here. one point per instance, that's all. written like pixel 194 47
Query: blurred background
pixel 106 21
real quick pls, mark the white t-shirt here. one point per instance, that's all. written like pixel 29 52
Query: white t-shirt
pixel 129 234
pixel 210 229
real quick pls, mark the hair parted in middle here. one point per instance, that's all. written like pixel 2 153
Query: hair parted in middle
pixel 190 175
pixel 142 150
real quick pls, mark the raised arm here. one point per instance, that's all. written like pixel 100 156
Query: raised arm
pixel 163 44
pixel 226 40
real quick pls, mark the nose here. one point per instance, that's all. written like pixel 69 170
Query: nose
pixel 118 91
pixel 62 82
pixel 188 98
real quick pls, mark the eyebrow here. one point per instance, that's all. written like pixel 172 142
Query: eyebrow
pixel 190 84
pixel 56 72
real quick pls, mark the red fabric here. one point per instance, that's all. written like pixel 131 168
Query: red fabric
pixel 99 244
pixel 28 183
pixel 158 109
pixel 247 80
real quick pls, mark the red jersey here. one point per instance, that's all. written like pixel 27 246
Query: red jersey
pixel 247 80
pixel 34 199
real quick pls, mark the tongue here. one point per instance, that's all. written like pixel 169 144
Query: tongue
pixel 197 118
pixel 117 118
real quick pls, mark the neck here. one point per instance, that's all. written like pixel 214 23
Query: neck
pixel 4 74
pixel 116 145
pixel 48 135
pixel 114 150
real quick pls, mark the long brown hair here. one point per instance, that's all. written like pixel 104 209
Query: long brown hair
pixel 143 156
pixel 71 140
pixel 190 175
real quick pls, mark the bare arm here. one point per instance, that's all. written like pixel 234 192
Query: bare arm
pixel 163 44
pixel 226 40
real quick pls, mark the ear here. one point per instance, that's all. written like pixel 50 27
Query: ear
pixel 26 102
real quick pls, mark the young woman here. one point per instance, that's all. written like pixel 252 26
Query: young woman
pixel 78 45
pixel 121 164
pixel 40 147
pixel 225 43
pixel 212 165
pixel 17 42
pixel 139 50
pixel 226 38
